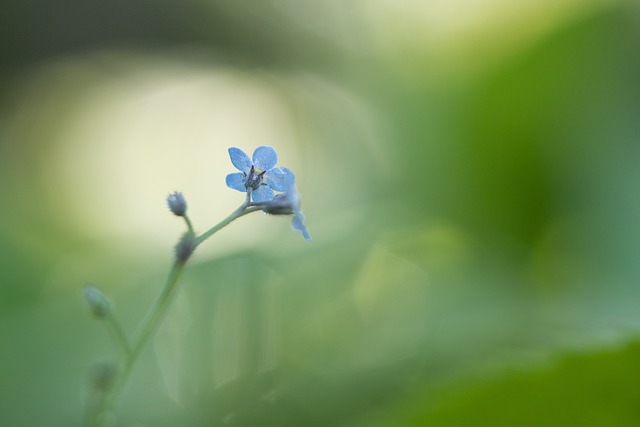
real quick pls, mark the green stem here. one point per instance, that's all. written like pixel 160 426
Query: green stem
pixel 242 210
pixel 117 334
pixel 235 215
pixel 188 222
pixel 153 320
pixel 159 311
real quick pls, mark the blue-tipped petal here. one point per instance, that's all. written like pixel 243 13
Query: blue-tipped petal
pixel 280 179
pixel 265 158
pixel 298 224
pixel 236 181
pixel 240 160
pixel 262 194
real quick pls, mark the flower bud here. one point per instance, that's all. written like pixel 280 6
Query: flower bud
pixel 102 376
pixel 99 304
pixel 185 247
pixel 283 204
pixel 177 203
pixel 288 204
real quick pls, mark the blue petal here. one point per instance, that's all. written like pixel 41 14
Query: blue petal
pixel 236 181
pixel 262 194
pixel 280 179
pixel 298 224
pixel 240 160
pixel 265 158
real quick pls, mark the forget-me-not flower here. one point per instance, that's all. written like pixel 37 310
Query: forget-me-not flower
pixel 258 175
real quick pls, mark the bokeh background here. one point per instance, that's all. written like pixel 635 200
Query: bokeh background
pixel 470 175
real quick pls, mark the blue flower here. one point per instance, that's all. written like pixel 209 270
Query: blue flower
pixel 258 174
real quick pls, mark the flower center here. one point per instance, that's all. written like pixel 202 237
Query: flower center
pixel 254 179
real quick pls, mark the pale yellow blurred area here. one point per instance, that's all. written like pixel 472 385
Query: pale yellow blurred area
pixel 130 129
pixel 122 130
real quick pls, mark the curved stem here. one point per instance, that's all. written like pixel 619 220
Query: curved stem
pixel 187 220
pixel 235 215
pixel 118 335
pixel 153 320
pixel 243 209
pixel 158 312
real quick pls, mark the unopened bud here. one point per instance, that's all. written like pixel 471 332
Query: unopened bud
pixel 99 304
pixel 177 203
pixel 185 247
pixel 283 204
pixel 288 204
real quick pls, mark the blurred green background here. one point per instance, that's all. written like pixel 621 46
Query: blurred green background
pixel 470 175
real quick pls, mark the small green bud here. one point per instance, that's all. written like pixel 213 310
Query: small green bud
pixel 99 304
pixel 185 247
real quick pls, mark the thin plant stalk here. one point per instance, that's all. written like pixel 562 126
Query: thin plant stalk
pixel 153 320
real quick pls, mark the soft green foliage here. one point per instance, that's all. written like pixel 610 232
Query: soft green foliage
pixel 475 221
pixel 595 389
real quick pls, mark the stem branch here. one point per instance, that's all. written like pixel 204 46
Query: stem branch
pixel 117 334
pixel 130 353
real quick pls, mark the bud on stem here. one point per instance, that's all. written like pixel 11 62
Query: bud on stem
pixel 185 247
pixel 99 304
pixel 177 204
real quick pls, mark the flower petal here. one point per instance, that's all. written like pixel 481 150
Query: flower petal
pixel 298 224
pixel 280 179
pixel 262 194
pixel 236 181
pixel 240 160
pixel 265 158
